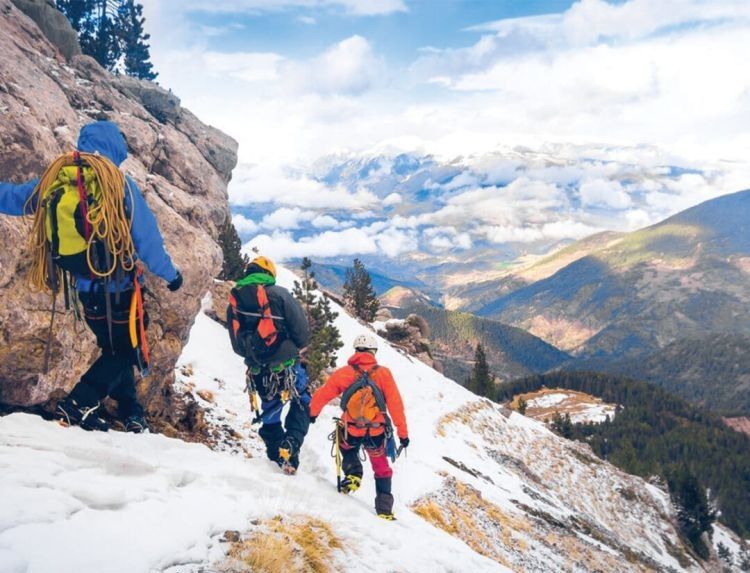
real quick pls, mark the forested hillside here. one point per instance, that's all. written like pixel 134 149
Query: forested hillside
pixel 656 433
pixel 713 372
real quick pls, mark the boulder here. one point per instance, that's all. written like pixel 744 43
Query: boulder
pixel 182 167
pixel 52 23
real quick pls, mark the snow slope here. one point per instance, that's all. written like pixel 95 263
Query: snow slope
pixel 491 490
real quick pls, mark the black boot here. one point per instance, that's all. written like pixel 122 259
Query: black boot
pixel 384 499
pixel 289 455
pixel 272 436
pixel 70 413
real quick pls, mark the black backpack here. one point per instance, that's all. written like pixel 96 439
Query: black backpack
pixel 255 333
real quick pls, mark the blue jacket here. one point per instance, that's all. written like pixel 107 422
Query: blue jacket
pixel 104 137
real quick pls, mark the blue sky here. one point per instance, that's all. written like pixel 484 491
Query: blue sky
pixel 558 118
pixel 299 31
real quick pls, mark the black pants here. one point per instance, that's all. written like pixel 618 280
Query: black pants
pixel 297 421
pixel 112 373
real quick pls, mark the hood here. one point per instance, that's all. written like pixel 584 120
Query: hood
pixel 364 360
pixel 104 138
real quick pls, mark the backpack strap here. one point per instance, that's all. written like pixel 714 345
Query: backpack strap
pixel 266 327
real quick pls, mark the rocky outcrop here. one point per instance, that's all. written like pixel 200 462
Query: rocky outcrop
pixel 182 166
pixel 53 24
pixel 412 336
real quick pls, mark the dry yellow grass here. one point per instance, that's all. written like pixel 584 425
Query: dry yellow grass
pixel 285 544
pixel 465 415
pixel 461 511
pixel 465 514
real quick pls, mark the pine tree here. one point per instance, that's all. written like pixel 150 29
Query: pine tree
pixel 359 295
pixel 482 382
pixel 111 31
pixel 522 405
pixel 133 40
pixel 694 514
pixel 235 262
pixel 99 36
pixel 562 425
pixel 325 338
pixel 724 554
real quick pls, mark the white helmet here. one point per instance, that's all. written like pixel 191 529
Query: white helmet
pixel 365 342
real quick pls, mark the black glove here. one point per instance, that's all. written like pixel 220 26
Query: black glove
pixel 312 419
pixel 176 282
pixel 404 442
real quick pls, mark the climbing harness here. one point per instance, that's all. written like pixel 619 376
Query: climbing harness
pixel 269 383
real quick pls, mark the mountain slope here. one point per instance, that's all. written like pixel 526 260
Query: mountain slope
pixel 713 371
pixel 481 489
pixel 472 293
pixel 511 352
pixel 646 289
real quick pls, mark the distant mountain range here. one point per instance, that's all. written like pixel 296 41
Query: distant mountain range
pixel 332 277
pixel 684 277
pixel 668 304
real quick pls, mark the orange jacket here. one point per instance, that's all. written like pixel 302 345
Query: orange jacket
pixel 342 378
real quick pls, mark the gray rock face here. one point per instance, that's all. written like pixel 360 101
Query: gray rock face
pixel 162 104
pixel 182 167
pixel 53 24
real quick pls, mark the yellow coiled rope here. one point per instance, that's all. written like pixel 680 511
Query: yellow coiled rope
pixel 109 222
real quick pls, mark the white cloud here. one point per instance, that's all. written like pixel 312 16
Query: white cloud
pixel 286 218
pixel 392 199
pixel 604 94
pixel 325 222
pixel 637 219
pixel 443 239
pixel 244 225
pixel 246 66
pixel 349 67
pixel 257 184
pixel 394 242
pixel 283 246
pixel 604 193
pixel 557 230
pixel 463 179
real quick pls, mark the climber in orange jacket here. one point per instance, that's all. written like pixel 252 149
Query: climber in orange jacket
pixel 365 419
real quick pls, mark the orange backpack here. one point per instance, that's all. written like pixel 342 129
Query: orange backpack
pixel 364 401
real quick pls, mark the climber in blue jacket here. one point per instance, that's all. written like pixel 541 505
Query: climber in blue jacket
pixel 112 373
